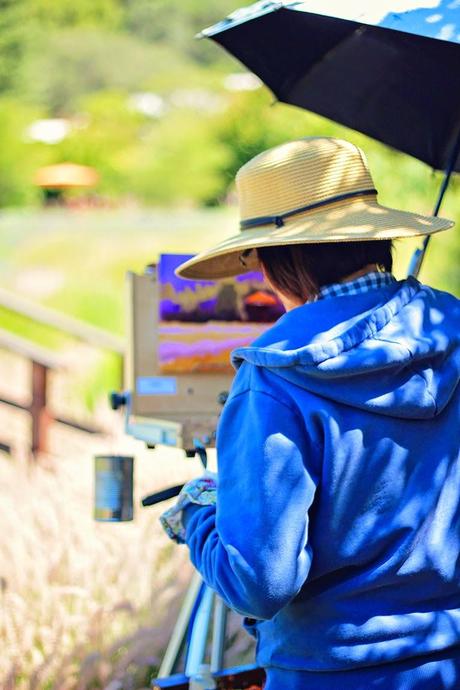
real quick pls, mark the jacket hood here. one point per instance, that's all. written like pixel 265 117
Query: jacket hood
pixel 394 351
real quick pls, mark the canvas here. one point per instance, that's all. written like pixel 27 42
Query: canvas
pixel 202 321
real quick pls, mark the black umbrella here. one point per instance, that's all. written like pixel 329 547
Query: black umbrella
pixel 394 76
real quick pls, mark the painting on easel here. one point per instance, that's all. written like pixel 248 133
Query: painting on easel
pixel 202 321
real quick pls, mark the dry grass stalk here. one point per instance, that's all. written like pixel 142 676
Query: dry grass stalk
pixel 84 605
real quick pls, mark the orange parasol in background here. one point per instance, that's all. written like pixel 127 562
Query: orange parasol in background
pixel 65 176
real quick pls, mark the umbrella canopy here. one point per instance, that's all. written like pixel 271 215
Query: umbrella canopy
pixel 65 176
pixel 387 68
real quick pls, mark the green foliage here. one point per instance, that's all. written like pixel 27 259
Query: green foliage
pixel 179 162
pixel 251 124
pixel 65 13
pixel 103 377
pixel 177 22
pixel 78 47
pixel 442 263
pixel 15 36
pixel 69 64
pixel 18 158
pixel 109 128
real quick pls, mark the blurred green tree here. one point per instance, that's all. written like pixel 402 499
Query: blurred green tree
pixel 250 125
pixel 173 20
pixel 15 38
pixel 19 158
pixel 179 162
pixel 71 63
pixel 108 129
pixel 70 13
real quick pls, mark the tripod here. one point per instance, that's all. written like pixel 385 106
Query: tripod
pixel 203 616
pixel 200 608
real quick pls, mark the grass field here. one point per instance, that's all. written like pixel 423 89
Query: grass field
pixel 86 605
pixel 83 604
pixel 76 262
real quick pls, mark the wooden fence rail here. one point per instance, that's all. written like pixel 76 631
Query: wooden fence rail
pixel 68 324
pixel 43 361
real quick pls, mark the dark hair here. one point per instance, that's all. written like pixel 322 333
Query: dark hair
pixel 300 270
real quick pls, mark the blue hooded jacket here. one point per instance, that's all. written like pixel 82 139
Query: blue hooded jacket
pixel 337 526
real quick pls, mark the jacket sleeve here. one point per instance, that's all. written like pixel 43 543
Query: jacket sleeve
pixel 252 548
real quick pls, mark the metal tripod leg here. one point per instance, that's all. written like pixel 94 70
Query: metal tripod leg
pixel 218 635
pixel 181 627
pixel 199 636
pixel 199 605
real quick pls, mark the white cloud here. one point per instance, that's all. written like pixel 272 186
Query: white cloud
pixel 447 32
pixel 363 10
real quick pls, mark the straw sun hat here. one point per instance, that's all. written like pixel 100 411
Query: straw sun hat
pixel 311 190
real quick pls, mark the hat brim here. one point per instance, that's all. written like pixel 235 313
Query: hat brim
pixel 351 222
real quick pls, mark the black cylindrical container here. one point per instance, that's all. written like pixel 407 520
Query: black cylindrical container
pixel 113 491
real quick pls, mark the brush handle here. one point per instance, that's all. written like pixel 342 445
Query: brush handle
pixel 163 495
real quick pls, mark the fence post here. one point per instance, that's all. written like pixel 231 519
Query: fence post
pixel 39 413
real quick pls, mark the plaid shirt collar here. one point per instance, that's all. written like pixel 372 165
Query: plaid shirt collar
pixel 369 281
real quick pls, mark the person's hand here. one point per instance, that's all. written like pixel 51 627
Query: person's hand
pixel 200 491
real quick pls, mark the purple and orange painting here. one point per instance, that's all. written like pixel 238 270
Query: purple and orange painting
pixel 202 321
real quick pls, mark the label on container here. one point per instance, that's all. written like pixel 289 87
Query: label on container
pixel 113 492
